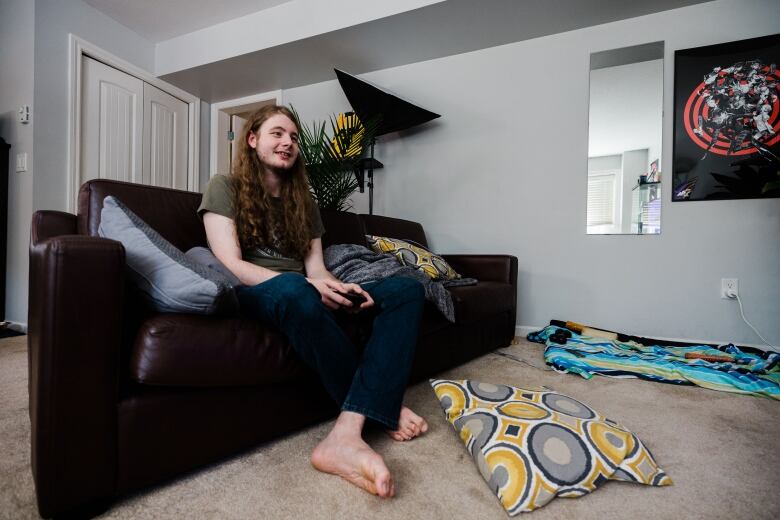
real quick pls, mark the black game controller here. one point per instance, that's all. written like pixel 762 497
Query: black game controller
pixel 355 298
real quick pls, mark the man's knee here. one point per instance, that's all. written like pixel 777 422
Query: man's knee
pixel 295 293
pixel 402 289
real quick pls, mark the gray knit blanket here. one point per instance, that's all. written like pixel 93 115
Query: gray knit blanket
pixel 352 263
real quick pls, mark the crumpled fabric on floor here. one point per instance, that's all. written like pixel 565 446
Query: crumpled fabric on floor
pixel 584 355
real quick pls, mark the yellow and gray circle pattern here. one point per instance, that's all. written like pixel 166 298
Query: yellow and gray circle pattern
pixel 414 256
pixel 532 445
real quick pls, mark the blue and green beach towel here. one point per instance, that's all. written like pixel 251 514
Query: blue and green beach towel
pixel 748 373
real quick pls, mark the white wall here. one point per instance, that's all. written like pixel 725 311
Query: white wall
pixel 17 24
pixel 504 169
pixel 54 19
pixel 34 38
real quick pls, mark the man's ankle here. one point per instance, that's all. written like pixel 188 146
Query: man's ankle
pixel 350 423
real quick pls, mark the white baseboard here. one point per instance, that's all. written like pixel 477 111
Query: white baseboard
pixel 523 330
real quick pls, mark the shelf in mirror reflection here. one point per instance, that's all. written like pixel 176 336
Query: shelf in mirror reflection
pixel 646 208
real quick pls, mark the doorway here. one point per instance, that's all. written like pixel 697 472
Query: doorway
pixel 227 123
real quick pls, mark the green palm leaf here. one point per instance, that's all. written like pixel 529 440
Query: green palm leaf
pixel 331 159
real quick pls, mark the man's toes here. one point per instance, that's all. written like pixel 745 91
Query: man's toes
pixel 402 434
pixel 384 485
pixel 420 424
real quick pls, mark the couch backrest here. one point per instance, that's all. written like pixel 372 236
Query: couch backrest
pixel 172 213
pixel 394 228
pixel 342 227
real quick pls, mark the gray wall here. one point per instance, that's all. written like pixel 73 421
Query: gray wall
pixel 54 19
pixel 17 24
pixel 35 41
pixel 504 170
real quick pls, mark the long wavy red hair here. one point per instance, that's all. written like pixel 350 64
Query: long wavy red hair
pixel 256 223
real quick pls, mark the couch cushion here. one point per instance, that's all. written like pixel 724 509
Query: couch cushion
pixel 205 257
pixel 206 351
pixel 170 281
pixel 476 302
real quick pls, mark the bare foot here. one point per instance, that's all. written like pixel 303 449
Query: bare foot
pixel 410 425
pixel 350 458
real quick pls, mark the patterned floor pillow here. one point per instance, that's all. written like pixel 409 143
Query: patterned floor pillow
pixel 534 445
pixel 414 256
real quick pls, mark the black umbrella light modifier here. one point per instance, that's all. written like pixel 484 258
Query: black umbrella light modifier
pixel 371 101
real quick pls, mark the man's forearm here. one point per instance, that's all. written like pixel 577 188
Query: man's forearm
pixel 249 273
pixel 321 274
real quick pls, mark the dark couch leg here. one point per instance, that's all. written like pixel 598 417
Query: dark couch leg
pixel 90 510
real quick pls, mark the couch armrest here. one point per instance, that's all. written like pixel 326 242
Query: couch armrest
pixel 74 335
pixel 488 268
pixel 48 224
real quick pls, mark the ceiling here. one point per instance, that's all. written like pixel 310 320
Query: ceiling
pixel 437 30
pixel 159 20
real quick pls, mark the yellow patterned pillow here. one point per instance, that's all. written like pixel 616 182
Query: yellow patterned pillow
pixel 414 256
pixel 534 445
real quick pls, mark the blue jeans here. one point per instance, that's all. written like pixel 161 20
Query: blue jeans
pixel 371 384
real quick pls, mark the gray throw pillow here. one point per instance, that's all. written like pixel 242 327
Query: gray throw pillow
pixel 203 256
pixel 171 281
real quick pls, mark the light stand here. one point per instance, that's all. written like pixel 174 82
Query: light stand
pixel 368 165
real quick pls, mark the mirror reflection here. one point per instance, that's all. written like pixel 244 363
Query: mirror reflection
pixel 624 140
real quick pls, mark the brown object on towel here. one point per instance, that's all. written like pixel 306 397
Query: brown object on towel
pixel 713 359
pixel 574 326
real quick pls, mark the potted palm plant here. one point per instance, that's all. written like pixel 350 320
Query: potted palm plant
pixel 333 158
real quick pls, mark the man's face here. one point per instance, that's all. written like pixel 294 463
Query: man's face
pixel 276 142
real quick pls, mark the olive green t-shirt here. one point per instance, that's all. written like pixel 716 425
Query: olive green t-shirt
pixel 218 198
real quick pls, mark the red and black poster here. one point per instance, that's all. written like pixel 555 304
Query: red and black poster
pixel 727 121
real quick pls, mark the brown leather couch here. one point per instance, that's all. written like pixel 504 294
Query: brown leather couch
pixel 122 398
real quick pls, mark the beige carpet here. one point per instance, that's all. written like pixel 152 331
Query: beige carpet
pixel 722 451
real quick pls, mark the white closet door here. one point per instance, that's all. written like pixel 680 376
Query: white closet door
pixel 112 122
pixel 165 139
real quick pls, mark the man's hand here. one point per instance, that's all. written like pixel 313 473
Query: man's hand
pixel 329 290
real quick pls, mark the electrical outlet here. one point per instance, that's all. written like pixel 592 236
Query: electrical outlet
pixel 729 288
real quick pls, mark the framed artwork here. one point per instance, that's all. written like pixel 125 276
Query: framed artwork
pixel 727 121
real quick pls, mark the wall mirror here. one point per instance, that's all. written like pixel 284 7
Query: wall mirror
pixel 624 140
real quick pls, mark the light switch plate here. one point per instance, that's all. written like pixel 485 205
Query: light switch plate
pixel 24 114
pixel 21 162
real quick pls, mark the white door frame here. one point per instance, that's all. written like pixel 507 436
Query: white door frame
pixel 78 48
pixel 233 106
